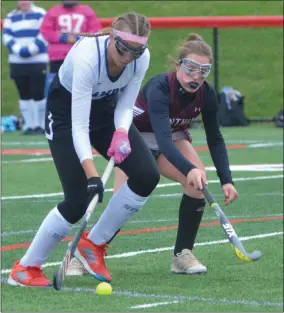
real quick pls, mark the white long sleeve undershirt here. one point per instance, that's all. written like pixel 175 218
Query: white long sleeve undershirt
pixel 80 75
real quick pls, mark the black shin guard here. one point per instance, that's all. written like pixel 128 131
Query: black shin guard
pixel 111 239
pixel 190 215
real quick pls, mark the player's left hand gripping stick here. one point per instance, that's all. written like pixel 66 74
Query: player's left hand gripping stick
pixel 119 147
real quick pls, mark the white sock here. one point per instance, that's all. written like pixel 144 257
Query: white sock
pixel 41 112
pixel 26 109
pixel 121 207
pixel 52 230
pixel 36 113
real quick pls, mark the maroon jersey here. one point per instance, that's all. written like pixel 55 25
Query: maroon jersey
pixel 182 106
pixel 163 107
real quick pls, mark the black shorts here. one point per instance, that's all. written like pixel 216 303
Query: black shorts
pixel 29 80
pixel 54 66
pixel 32 69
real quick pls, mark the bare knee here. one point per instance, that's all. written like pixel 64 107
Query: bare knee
pixel 191 191
pixel 119 179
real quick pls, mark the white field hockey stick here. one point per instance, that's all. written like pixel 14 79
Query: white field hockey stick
pixel 230 232
pixel 59 275
pixel 81 34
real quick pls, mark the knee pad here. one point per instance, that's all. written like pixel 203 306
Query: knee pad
pixel 190 191
pixel 73 210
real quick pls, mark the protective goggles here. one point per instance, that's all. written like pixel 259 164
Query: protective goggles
pixel 123 48
pixel 190 67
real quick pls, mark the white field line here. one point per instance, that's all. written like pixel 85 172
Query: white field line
pixel 233 168
pixel 38 143
pixel 150 305
pixel 252 168
pixel 265 145
pixel 24 143
pixel 32 160
pixel 214 181
pixel 140 252
pixel 201 299
pixel 39 154
pixel 177 195
pixel 135 294
pixel 206 218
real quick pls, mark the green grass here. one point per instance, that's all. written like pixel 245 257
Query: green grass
pixel 250 59
pixel 230 285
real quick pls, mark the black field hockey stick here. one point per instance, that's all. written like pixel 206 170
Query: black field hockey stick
pixel 59 275
pixel 230 232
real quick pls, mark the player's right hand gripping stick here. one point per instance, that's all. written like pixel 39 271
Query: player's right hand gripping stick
pixel 95 186
pixel 119 147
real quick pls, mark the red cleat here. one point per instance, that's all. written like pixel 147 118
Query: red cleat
pixel 30 276
pixel 92 257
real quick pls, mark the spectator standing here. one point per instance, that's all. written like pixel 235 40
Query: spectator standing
pixel 28 60
pixel 58 25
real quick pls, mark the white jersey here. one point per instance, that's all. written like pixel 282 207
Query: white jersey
pixel 84 73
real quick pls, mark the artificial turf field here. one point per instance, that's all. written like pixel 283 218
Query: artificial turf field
pixel 140 257
pixel 250 59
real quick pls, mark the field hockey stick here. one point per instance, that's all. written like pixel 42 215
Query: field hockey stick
pixel 230 232
pixel 81 34
pixel 59 275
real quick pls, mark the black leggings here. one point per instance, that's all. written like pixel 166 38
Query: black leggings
pixel 140 166
pixel 54 66
pixel 31 86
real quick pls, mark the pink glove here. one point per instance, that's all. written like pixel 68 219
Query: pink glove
pixel 119 147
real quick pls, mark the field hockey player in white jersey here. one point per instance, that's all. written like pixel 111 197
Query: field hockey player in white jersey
pixel 90 104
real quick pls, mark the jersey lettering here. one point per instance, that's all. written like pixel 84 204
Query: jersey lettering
pixel 50 134
pixel 180 121
pixel 110 92
pixel 71 22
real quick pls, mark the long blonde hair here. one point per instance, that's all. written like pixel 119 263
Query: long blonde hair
pixel 137 23
pixel 194 44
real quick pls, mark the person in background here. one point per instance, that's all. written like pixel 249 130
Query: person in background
pixel 59 28
pixel 28 61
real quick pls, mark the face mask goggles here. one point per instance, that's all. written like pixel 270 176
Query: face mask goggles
pixel 191 67
pixel 122 46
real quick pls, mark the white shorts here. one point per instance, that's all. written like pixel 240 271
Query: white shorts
pixel 151 141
